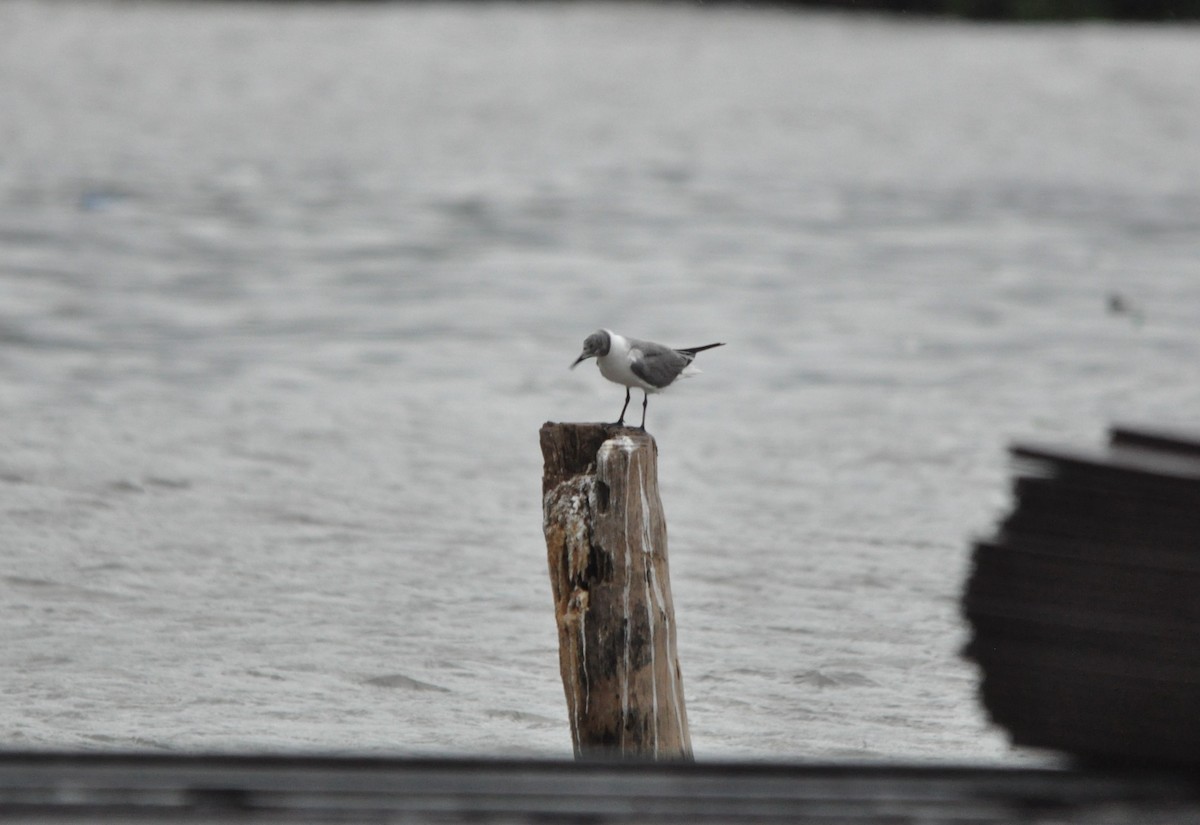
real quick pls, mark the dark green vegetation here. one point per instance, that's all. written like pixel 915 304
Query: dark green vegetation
pixel 1033 10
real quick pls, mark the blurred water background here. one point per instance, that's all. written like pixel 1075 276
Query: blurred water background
pixel 287 291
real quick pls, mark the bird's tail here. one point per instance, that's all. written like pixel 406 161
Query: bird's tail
pixel 693 350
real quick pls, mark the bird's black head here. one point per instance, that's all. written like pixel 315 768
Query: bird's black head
pixel 594 346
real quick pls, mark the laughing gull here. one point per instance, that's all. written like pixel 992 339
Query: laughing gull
pixel 634 363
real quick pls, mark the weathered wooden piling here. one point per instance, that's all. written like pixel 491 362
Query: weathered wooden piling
pixel 606 541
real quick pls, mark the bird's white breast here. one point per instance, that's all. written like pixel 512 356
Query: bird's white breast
pixel 615 365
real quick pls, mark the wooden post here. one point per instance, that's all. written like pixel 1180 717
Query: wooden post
pixel 606 540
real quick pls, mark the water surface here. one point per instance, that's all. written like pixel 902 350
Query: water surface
pixel 287 290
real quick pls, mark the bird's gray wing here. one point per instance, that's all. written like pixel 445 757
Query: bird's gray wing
pixel 656 364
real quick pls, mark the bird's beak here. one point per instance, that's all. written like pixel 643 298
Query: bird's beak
pixel 582 357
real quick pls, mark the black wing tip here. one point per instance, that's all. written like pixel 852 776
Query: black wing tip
pixel 694 350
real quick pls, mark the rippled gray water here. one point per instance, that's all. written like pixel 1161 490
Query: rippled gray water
pixel 286 292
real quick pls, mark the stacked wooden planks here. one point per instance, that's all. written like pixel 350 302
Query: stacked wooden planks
pixel 1085 606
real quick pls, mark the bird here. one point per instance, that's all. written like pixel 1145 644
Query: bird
pixel 646 365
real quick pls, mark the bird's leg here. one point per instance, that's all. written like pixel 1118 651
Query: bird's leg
pixel 621 420
pixel 645 401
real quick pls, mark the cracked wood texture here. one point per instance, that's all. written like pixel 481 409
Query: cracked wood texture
pixel 606 542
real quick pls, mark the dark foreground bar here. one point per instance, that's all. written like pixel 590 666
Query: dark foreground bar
pixel 65 788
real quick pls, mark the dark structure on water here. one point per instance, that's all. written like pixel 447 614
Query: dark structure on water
pixel 1085 606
